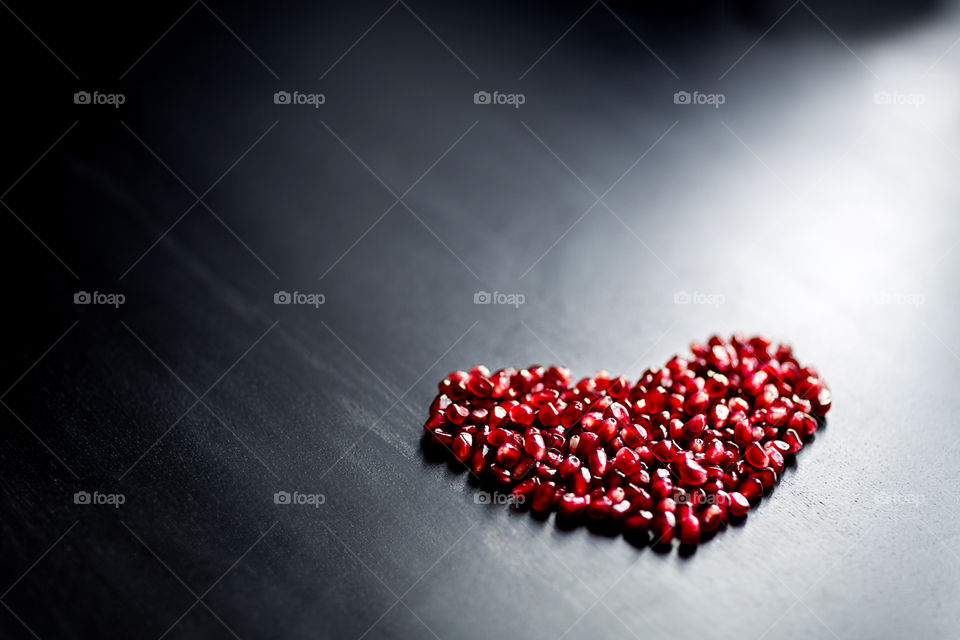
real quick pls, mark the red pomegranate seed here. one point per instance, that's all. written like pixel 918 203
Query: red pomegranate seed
pixel 498 417
pixel 656 399
pixel 522 414
pixel 677 443
pixel 627 461
pixel 767 477
pixel 480 385
pixel 548 415
pixel 534 445
pixel 463 447
pixel 752 489
pixel 569 466
pixel 525 489
pixel 457 413
pixel 689 530
pixel 587 443
pixel 711 518
pixel 691 473
pixel 639 521
pixel 665 450
pixel 600 508
pixel 508 454
pixel 598 462
pixel 664 524
pixel 793 440
pixel 544 496
pixel 756 455
pixel 571 414
pixel 633 435
pixel 695 426
pixel 739 505
pixel 500 474
pixel 571 505
pixel 580 481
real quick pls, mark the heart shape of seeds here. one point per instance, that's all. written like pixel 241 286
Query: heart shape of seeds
pixel 687 449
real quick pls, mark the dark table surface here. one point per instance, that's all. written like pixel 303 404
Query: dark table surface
pixel 816 204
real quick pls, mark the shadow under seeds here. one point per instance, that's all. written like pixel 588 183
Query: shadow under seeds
pixel 436 453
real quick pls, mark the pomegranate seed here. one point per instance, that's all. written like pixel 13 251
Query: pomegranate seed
pixel 524 490
pixel 600 508
pixel 627 460
pixel 665 450
pixel 580 481
pixel 463 447
pixel 571 414
pixel 639 521
pixel 572 505
pixel 756 456
pixel 508 454
pixel 793 440
pixel 569 466
pixel 633 435
pixel 689 530
pixel 522 414
pixel 544 496
pixel 549 415
pixel 598 462
pixel 691 473
pixel 695 426
pixel 656 399
pixel 675 444
pixel 499 474
pixel 739 505
pixel 752 489
pixel 457 413
pixel 664 524
pixel 498 417
pixel 711 518
pixel 534 445
pixel 587 443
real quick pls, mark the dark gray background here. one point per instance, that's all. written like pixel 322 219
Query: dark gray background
pixel 805 208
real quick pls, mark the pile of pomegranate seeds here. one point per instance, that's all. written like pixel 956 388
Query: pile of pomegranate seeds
pixel 687 448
